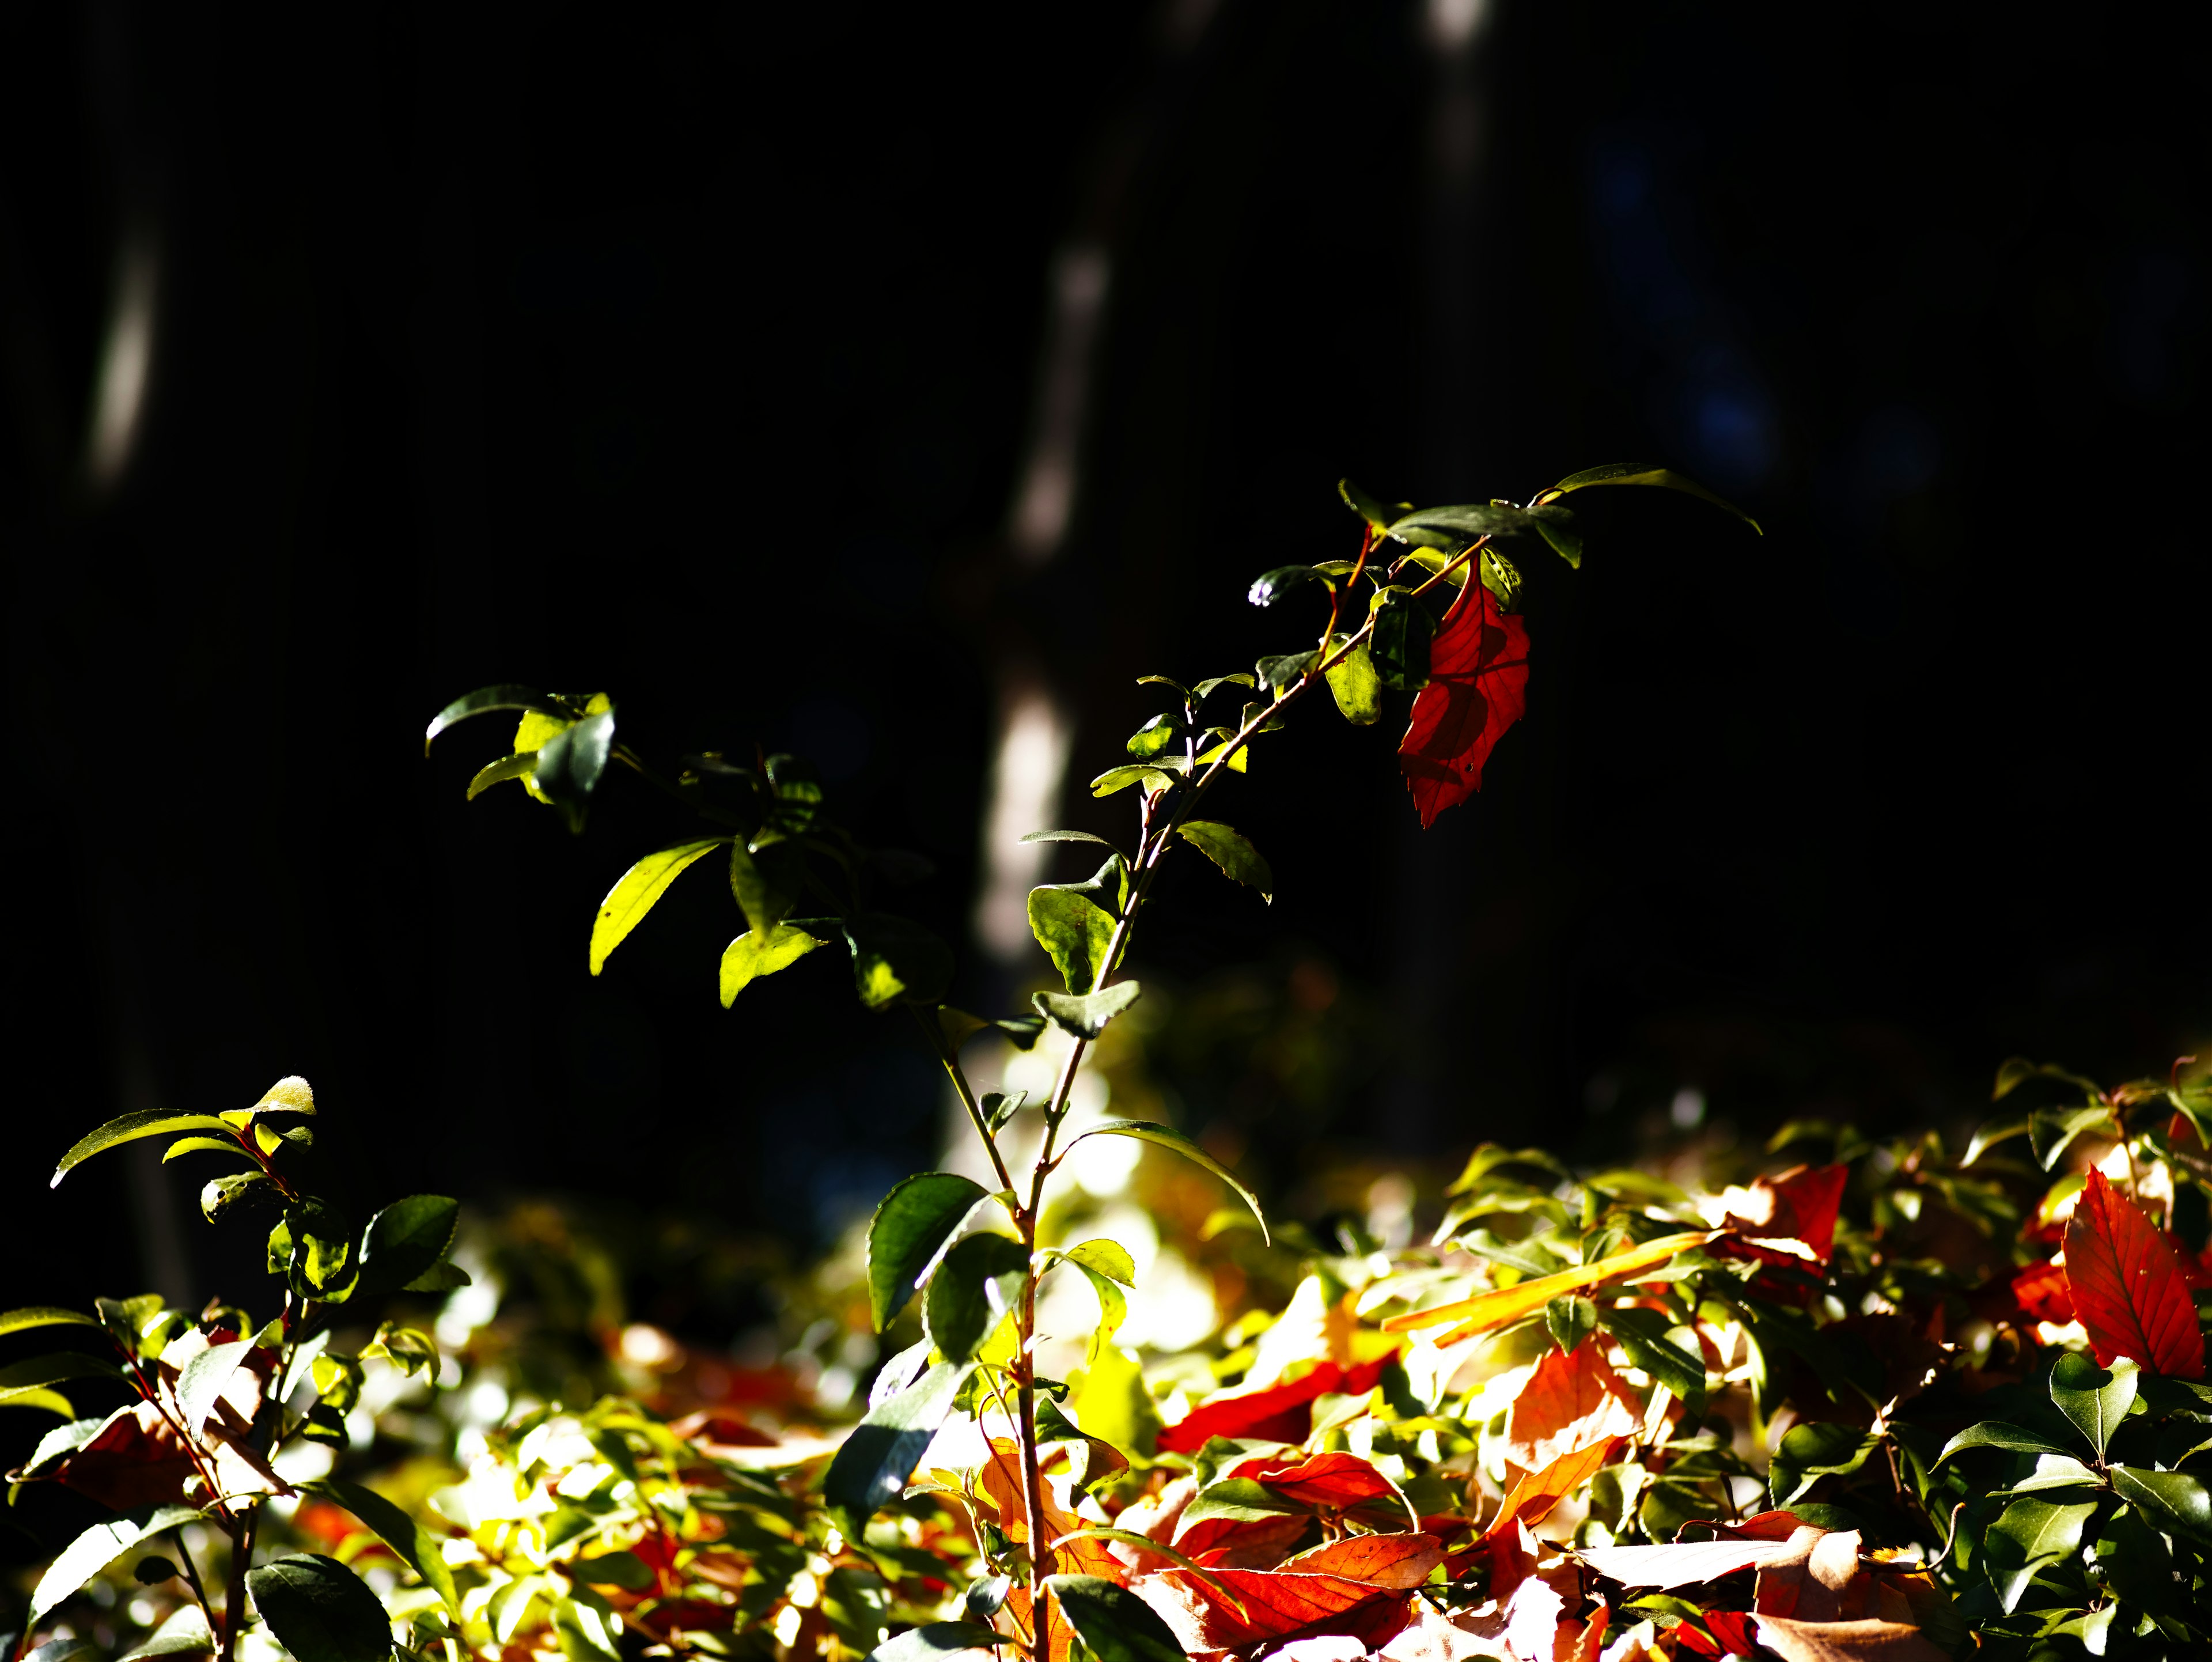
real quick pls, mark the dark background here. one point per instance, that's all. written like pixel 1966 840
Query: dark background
pixel 696 355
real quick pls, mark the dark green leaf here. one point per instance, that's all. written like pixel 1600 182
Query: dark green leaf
pixel 896 960
pixel 637 890
pixel 938 1639
pixel 219 1194
pixel 1166 1136
pixel 405 1241
pixel 1570 1318
pixel 1154 737
pixel 96 1549
pixel 570 764
pixel 126 1127
pixel 1233 852
pixel 1353 682
pixel 1022 1032
pixel 1647 1337
pixel 494 773
pixel 2054 1471
pixel 2029 1534
pixel 1277 673
pixel 44 1315
pixel 621 1569
pixel 908 1230
pixel 19 1381
pixel 421 1550
pixel 1995 1434
pixel 320 1610
pixel 1085 1015
pixel 1181 690
pixel 2016 1071
pixel 753 955
pixel 871 1467
pixel 1643 474
pixel 1270 587
pixel 1400 643
pixel 1988 1135
pixel 2095 1399
pixel 974 1289
pixel 1813 1450
pixel 58 1444
pixel 999 1107
pixel 438 1278
pixel 487 698
pixel 1115 1624
pixel 1066 837
pixel 2177 1502
pixel 1205 688
pixel 2052 1131
pixel 986 1594
pixel 1454 526
pixel 1566 543
pixel 1378 513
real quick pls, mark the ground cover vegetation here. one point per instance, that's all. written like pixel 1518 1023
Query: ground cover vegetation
pixel 1880 1400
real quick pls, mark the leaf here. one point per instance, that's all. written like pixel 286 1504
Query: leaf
pixel 2054 1471
pixel 896 960
pixel 636 891
pixel 2027 1535
pixel 1115 1625
pixel 1065 837
pixel 1813 1450
pixel 974 1288
pixel 2015 1071
pixel 1644 473
pixel 1154 737
pixel 1302 1593
pixel 494 773
pixel 1494 1309
pixel 2176 1502
pixel 1570 1319
pixel 1270 587
pixel 1573 1400
pixel 1478 688
pixel 44 1315
pixel 1332 1478
pixel 1234 678
pixel 35 1374
pixel 1166 1136
pixel 2052 1131
pixel 1799 1205
pixel 1260 1412
pixel 1400 643
pixel 320 1610
pixel 405 1241
pixel 1075 931
pixel 1154 779
pixel 1454 526
pixel 205 1145
pixel 937 1640
pixel 570 764
pixel 1566 543
pixel 1681 1563
pixel 1278 673
pixel 1991 1133
pixel 871 1469
pixel 1377 514
pixel 1233 852
pixel 504 696
pixel 183 1632
pixel 126 1127
pixel 757 898
pixel 1533 1499
pixel 1085 1015
pixel 1995 1434
pixel 753 955
pixel 203 1378
pixel 909 1229
pixel 1861 1639
pixel 999 1106
pixel 2095 1399
pixel 2128 1290
pixel 1355 685
pixel 419 1548
pixel 96 1549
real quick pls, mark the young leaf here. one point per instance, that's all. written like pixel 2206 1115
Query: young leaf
pixel 1166 1136
pixel 896 959
pixel 1276 673
pixel 418 1547
pixel 1494 1309
pixel 636 892
pixel 1085 1015
pixel 909 1230
pixel 1066 837
pixel 753 955
pixel 494 773
pixel 483 699
pixel 125 1127
pixel 1478 688
pixel 2095 1399
pixel 44 1315
pixel 1075 932
pixel 974 1289
pixel 570 764
pixel 320 1610
pixel 872 1467
pixel 405 1241
pixel 1643 474
pixel 1233 852
pixel 1155 736
pixel 999 1107
pixel 96 1549
pixel 1355 685
pixel 1154 779
pixel 1115 1625
pixel 1270 587
pixel 2128 1290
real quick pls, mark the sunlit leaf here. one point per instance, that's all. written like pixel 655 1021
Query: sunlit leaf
pixel 505 697
pixel 1075 931
pixel 1085 1015
pixel 1166 1136
pixel 974 1288
pixel 96 1549
pixel 494 773
pixel 1644 473
pixel 636 892
pixel 1233 852
pixel 909 1229
pixel 2127 1289
pixel 1355 685
pixel 2096 1399
pixel 420 1548
pixel 44 1315
pixel 753 955
pixel 126 1127
pixel 871 1467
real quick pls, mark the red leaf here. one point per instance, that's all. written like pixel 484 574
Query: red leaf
pixel 1732 1629
pixel 1533 1498
pixel 1329 1590
pixel 1570 1402
pixel 1338 1480
pixel 2041 1292
pixel 2128 1291
pixel 137 1459
pixel 1278 1412
pixel 1799 1206
pixel 1478 687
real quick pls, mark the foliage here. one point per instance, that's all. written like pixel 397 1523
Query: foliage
pixel 1879 1402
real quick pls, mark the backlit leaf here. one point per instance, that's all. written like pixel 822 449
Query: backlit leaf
pixel 1154 779
pixel 896 959
pixel 44 1315
pixel 1478 688
pixel 636 892
pixel 1277 673
pixel 753 955
pixel 1233 852
pixel 1644 473
pixel 126 1127
pixel 974 1288
pixel 420 1548
pixel 96 1549
pixel 1573 1400
pixel 494 773
pixel 405 1240
pixel 35 1374
pixel 1152 738
pixel 1085 1015
pixel 1355 685
pixel 1494 1309
pixel 1166 1136
pixel 1075 931
pixel 909 1228
pixel 2128 1290
pixel 504 696
pixel 1115 1625
pixel 320 1610
pixel 872 1467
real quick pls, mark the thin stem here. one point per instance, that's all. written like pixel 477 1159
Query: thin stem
pixel 193 1580
pixel 950 1056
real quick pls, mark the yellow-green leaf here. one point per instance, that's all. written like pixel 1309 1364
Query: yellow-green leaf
pixel 1354 685
pixel 753 955
pixel 633 895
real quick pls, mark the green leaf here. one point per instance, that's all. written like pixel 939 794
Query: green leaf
pixel 1648 1338
pixel 1570 1318
pixel 570 764
pixel 438 1278
pixel 1566 543
pixel 320 1610
pixel 2052 1131
pixel 2029 1534
pixel 1353 682
pixel 1400 642
pixel 2016 1071
pixel 1240 1500
pixel 1233 852
pixel 1988 1135
pixel 1085 1015
pixel 2054 1471
pixel 2095 1399
pixel 1115 1624
pixel 763 906
pixel 1154 779
pixel 44 1315
pixel 1075 932
pixel 896 960
pixel 1277 673
pixel 1106 1265
pixel 205 1145
pixel 937 1638
pixel 1995 1434
pixel 636 892
pixel 1821 1448
pixel 1378 513
pixel 1166 1136
pixel 493 773
pixel 184 1633
pixel 621 1569
pixel 974 1289
pixel 587 1627
pixel 1181 690
pixel 2177 1502
pixel 219 1194
pixel 405 1240
pixel 127 1128
pixel 1154 737
pixel 1109 1258
pixel 908 1232
pixel 96 1549
pixel 484 699
pixel 421 1550
pixel 35 1373
pixel 753 955
pixel 1270 587
pixel 1066 837
pixel 58 1445
pixel 1205 688
pixel 1644 473
pixel 871 1467
pixel 203 1378
pixel 1451 527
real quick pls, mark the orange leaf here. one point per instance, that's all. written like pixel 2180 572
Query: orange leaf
pixel 1535 1495
pixel 2041 1292
pixel 2128 1290
pixel 1386 1560
pixel 1571 1400
pixel 1001 1477
pixel 1337 1479
pixel 1846 1641
pixel 1277 1411
pixel 1798 1207
pixel 1488 1309
pixel 1283 1603
pixel 1478 687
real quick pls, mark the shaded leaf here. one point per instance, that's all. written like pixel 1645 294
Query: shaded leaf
pixel 1570 1319
pixel 1462 523
pixel 419 1548
pixel 1233 852
pixel 1065 837
pixel 405 1241
pixel 753 955
pixel 1861 1639
pixel 974 1288
pixel 1478 688
pixel 35 1374
pixel 1270 587
pixel 1644 473
pixel 896 960
pixel 184 1631
pixel 763 906
pixel 1085 1015
pixel 1166 1136
pixel 2128 1291
pixel 871 1469
pixel 909 1229
pixel 1821 1448
pixel 1277 673
pixel 2095 1399
pixel 569 765
pixel 1115 1625
pixel 96 1549
pixel 502 696
pixel 1378 513
pixel 1400 643
pixel 320 1610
